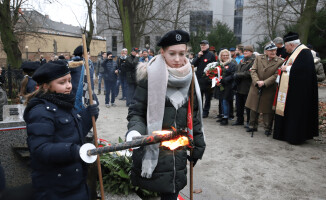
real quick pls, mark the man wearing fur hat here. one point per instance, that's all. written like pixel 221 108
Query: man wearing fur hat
pixel 263 75
pixel 296 118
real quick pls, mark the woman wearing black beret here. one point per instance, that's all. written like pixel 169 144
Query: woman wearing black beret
pixel 55 133
pixel 160 102
pixel 28 85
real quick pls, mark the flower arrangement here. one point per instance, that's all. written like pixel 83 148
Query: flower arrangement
pixel 116 169
pixel 214 72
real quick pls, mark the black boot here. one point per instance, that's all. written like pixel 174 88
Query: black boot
pixel 251 130
pixel 219 120
pixel 268 132
pixel 224 122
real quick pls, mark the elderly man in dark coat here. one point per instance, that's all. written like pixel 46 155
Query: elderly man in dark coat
pixel 200 62
pixel 263 75
pixel 296 118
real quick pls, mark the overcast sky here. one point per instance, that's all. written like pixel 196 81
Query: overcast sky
pixel 72 12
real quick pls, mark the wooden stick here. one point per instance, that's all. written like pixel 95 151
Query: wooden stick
pixel 90 92
pixel 191 150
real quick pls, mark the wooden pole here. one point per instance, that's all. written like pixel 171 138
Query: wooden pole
pixel 191 150
pixel 90 92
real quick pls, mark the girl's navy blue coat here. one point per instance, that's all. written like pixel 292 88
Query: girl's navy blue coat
pixel 55 135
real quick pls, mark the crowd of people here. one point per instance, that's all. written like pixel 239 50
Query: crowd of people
pixel 280 84
pixel 253 81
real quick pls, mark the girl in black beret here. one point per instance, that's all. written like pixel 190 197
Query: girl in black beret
pixel 55 133
pixel 160 102
pixel 28 85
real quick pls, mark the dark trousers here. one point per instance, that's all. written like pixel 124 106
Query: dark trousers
pixel 170 196
pixel 220 103
pixel 100 77
pixel 231 115
pixel 208 97
pixel 110 87
pixel 130 93
pixel 123 83
pixel 117 87
pixel 240 104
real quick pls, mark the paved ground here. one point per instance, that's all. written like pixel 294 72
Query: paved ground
pixel 236 166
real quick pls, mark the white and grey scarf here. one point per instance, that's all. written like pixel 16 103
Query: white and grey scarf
pixel 163 82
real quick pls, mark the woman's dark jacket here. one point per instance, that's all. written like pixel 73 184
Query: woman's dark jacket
pixel 55 135
pixel 242 76
pixel 170 174
pixel 227 81
pixel 109 70
pixel 31 85
pixel 130 68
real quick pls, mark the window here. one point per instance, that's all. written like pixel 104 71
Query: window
pixel 201 20
pixel 238 16
pixel 114 45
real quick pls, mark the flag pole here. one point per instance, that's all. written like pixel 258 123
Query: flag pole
pixel 90 92
pixel 191 150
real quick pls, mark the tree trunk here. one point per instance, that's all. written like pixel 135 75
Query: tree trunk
pixel 8 37
pixel 89 34
pixel 124 7
pixel 306 19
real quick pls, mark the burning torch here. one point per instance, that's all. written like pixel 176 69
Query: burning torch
pixel 171 139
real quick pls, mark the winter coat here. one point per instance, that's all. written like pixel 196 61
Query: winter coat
pixel 263 70
pixel 281 52
pixel 228 69
pixel 109 70
pixel 100 68
pixel 76 72
pixel 200 63
pixel 142 59
pixel 170 174
pixel 31 85
pixel 55 135
pixel 242 75
pixel 131 65
pixel 121 62
pixel 319 70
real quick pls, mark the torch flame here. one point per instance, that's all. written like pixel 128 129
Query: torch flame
pixel 175 143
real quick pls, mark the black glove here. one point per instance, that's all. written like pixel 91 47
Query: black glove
pixel 235 76
pixel 93 109
pixel 194 160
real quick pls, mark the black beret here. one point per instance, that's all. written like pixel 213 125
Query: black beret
pixel 79 51
pixel 204 42
pixel 108 53
pixel 61 57
pixel 290 37
pixel 173 38
pixel 30 66
pixel 50 71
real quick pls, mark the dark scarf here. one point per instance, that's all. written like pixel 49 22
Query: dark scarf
pixel 66 101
